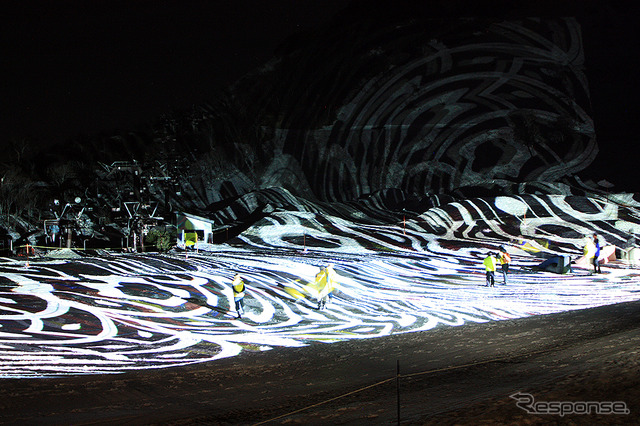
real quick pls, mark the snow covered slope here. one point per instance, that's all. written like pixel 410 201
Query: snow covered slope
pixel 110 314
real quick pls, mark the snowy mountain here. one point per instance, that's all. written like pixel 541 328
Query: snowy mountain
pixel 368 118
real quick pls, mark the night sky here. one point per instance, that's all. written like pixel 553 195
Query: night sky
pixel 73 67
pixel 83 67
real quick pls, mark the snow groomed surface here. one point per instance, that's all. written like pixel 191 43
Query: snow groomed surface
pixel 110 314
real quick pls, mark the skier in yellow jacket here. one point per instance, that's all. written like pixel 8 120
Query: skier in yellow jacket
pixel 490 265
pixel 238 294
pixel 325 283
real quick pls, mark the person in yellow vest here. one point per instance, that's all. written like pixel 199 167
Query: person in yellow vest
pixel 505 259
pixel 238 294
pixel 590 252
pixel 325 283
pixel 490 263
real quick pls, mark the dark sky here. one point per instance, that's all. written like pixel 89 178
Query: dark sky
pixel 71 67
pixel 611 37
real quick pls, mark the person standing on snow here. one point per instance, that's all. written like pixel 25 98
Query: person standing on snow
pixel 490 265
pixel 596 260
pixel 238 294
pixel 331 280
pixel 630 249
pixel 325 283
pixel 589 250
pixel 505 259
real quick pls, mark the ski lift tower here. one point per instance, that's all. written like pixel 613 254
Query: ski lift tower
pixel 139 217
pixel 67 219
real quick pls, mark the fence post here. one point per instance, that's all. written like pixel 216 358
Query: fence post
pixel 398 387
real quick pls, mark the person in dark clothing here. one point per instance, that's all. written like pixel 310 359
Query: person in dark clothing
pixel 596 262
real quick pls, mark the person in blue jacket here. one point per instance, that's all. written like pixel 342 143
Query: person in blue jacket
pixel 596 262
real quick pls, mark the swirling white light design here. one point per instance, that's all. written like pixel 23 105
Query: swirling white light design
pixel 109 315
pixel 117 313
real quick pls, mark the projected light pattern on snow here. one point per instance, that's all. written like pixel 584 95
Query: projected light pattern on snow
pixel 117 313
pixel 109 315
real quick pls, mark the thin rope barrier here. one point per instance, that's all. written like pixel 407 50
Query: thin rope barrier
pixel 399 376
pixel 473 364
pixel 324 402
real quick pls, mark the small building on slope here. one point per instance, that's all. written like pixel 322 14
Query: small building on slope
pixel 193 229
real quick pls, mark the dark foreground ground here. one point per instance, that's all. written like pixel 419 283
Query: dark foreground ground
pixel 451 375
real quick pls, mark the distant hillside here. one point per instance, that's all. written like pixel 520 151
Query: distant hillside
pixel 426 105
pixel 406 101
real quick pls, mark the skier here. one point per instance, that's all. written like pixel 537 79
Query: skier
pixel 490 265
pixel 505 259
pixel 238 294
pixel 325 283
